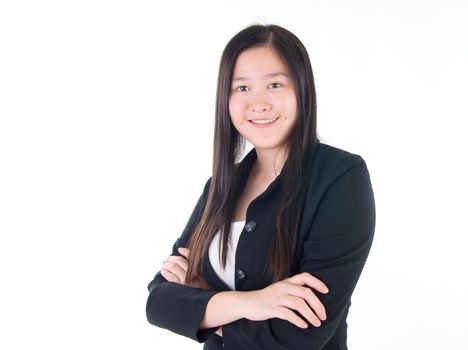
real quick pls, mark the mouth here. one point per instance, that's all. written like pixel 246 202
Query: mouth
pixel 263 123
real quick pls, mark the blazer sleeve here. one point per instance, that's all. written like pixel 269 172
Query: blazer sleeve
pixel 177 307
pixel 335 252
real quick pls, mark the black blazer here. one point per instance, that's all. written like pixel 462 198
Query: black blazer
pixel 335 237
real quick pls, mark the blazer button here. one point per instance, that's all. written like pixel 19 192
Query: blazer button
pixel 240 274
pixel 250 226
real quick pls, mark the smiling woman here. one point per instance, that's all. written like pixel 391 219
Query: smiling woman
pixel 276 243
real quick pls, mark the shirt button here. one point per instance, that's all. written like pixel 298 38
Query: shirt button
pixel 250 226
pixel 240 274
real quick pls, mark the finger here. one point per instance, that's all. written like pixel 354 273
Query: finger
pixel 312 281
pixel 179 260
pixel 176 270
pixel 168 275
pixel 184 251
pixel 308 295
pixel 298 304
pixel 286 314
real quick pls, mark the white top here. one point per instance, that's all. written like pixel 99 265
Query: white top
pixel 228 274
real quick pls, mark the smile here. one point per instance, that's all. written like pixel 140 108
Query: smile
pixel 263 123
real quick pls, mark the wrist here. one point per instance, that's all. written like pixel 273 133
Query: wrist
pixel 224 307
pixel 244 304
pixel 235 301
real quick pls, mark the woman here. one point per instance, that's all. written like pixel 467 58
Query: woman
pixel 276 243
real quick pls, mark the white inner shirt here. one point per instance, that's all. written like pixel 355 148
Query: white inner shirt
pixel 227 274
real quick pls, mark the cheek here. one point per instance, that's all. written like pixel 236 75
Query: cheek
pixel 236 110
pixel 290 105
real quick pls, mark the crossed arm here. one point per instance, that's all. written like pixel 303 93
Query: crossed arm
pixel 334 252
pixel 277 300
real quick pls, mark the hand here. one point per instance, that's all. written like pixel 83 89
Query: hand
pixel 280 298
pixel 175 270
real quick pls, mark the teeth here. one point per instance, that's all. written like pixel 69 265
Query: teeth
pixel 264 121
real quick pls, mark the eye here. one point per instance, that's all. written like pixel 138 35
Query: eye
pixel 276 85
pixel 240 88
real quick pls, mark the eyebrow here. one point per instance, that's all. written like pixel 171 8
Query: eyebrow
pixel 271 75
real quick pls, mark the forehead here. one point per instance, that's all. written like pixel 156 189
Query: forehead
pixel 258 61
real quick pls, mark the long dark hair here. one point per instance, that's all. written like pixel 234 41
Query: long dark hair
pixel 229 145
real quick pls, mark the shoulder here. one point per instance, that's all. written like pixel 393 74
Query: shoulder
pixel 334 161
pixel 327 164
pixel 338 182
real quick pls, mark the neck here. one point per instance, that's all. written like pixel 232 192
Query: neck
pixel 269 162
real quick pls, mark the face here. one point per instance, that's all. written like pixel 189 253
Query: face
pixel 262 100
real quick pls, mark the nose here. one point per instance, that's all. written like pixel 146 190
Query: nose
pixel 259 102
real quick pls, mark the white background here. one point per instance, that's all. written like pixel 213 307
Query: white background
pixel 107 111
